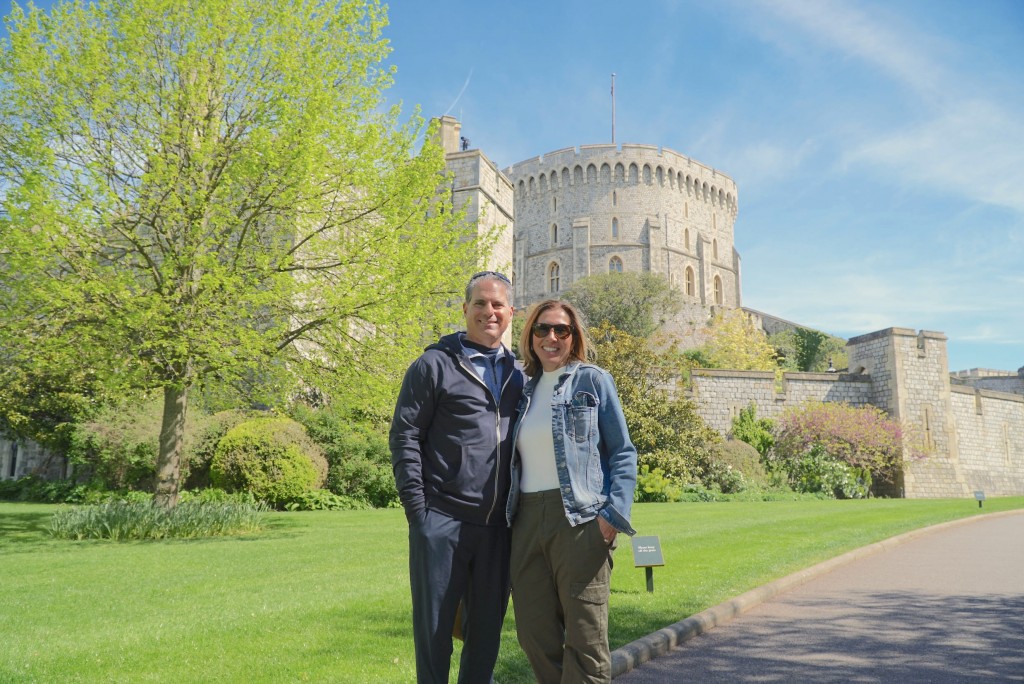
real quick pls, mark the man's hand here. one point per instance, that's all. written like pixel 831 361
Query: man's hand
pixel 607 531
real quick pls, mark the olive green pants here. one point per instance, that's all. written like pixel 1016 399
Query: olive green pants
pixel 560 590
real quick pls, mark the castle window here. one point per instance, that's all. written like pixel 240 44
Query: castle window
pixel 554 204
pixel 615 229
pixel 634 174
pixel 661 176
pixel 620 173
pixel 690 289
pixel 714 249
pixel 615 198
pixel 591 174
pixel 554 180
pixel 577 175
pixel 615 265
pixel 543 183
pixel 686 238
pixel 647 174
pixel 565 176
pixel 606 173
pixel 553 278
pixel 718 291
pixel 554 234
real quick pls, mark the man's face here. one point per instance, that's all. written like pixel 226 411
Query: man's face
pixel 487 312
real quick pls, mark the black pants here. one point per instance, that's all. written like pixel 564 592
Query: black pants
pixel 451 560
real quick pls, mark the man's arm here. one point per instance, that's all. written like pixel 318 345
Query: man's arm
pixel 414 412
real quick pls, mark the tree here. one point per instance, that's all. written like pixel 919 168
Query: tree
pixel 665 428
pixel 201 192
pixel 634 303
pixel 737 344
pixel 803 349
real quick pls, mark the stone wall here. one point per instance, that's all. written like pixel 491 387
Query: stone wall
pixel 19 458
pixel 973 437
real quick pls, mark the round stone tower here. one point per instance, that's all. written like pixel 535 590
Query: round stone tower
pixel 602 208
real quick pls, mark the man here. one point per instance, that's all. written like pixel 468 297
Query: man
pixel 451 449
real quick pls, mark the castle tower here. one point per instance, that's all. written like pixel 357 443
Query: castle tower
pixel 478 187
pixel 910 381
pixel 602 208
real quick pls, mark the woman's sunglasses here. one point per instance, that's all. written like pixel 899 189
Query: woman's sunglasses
pixel 562 330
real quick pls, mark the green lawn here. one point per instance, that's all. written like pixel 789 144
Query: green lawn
pixel 323 596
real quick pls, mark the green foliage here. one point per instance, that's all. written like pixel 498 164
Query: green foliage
pixel 635 303
pixel 272 458
pixel 129 521
pixel 212 195
pixel 653 486
pixel 757 432
pixel 816 472
pixel 665 427
pixel 358 454
pixel 803 349
pixel 737 344
pixel 744 458
pixel 323 500
pixel 863 438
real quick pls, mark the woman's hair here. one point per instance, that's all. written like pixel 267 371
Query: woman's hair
pixel 580 349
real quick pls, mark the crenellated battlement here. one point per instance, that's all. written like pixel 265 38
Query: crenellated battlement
pixel 626 164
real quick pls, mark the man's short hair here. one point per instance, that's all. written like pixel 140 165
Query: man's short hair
pixel 489 275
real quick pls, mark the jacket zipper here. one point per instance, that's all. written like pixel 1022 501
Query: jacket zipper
pixel 497 431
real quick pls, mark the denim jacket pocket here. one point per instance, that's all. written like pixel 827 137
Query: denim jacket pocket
pixel 583 415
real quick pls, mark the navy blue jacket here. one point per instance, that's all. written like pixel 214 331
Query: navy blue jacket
pixel 451 439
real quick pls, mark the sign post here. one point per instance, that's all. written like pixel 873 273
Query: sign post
pixel 647 555
pixel 980 496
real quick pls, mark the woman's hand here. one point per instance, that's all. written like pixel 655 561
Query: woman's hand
pixel 607 531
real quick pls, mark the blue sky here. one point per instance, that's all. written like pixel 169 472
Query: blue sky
pixel 878 147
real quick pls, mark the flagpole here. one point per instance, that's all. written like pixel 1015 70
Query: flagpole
pixel 613 108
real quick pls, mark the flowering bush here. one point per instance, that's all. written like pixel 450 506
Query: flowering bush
pixel 863 438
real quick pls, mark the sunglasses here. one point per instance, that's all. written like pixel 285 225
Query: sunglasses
pixel 491 274
pixel 562 330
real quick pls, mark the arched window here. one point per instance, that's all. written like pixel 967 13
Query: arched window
pixel 690 288
pixel 615 265
pixel 554 234
pixel 553 277
pixel 615 198
pixel 615 229
pixel 686 238
pixel 718 291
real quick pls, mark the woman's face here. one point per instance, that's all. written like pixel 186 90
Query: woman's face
pixel 552 351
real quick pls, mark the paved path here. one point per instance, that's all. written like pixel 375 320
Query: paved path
pixel 942 605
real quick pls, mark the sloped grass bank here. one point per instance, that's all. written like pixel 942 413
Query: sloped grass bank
pixel 323 596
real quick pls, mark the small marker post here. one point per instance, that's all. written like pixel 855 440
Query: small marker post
pixel 647 555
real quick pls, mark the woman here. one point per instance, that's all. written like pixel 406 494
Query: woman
pixel 573 476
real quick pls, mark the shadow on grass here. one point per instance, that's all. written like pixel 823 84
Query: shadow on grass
pixel 24 530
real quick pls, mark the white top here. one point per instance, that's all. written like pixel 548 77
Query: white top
pixel 536 442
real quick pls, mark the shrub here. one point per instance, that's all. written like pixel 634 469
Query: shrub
pixel 818 472
pixel 757 432
pixel 745 459
pixel 358 456
pixel 323 500
pixel 653 486
pixel 270 457
pixel 863 438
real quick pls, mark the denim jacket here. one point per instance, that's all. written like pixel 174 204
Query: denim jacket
pixel 595 458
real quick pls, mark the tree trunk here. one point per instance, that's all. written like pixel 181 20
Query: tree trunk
pixel 172 441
